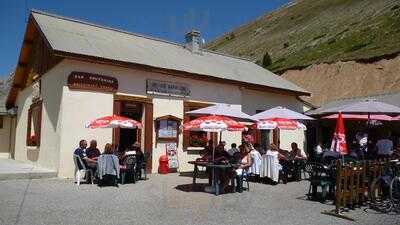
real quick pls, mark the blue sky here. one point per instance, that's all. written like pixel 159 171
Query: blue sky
pixel 166 19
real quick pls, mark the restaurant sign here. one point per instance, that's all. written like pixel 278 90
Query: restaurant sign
pixel 93 82
pixel 157 87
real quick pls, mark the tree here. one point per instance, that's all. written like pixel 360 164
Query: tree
pixel 266 60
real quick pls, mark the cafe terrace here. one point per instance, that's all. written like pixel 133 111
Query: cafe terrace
pixel 70 72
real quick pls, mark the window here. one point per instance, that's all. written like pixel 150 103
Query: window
pixel 1 122
pixel 34 124
pixel 167 128
pixel 195 139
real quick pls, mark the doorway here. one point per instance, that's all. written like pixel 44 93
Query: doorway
pixel 127 137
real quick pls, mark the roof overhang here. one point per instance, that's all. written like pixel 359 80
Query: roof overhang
pixel 183 74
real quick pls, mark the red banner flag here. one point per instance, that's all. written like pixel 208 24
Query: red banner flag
pixel 339 137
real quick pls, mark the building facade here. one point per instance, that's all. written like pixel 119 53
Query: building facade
pixel 62 82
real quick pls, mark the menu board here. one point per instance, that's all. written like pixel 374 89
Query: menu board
pixel 172 154
pixel 168 129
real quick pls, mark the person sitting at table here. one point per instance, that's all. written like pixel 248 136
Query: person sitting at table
pixel 296 153
pixel 259 149
pixel 208 149
pixel 108 167
pixel 92 153
pixel 81 152
pixel 384 147
pixel 233 149
pixel 245 162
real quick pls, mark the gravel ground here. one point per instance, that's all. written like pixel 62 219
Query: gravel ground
pixel 165 199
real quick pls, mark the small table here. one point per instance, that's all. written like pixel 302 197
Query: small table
pixel 213 167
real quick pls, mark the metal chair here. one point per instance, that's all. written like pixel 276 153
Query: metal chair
pixel 78 172
pixel 319 177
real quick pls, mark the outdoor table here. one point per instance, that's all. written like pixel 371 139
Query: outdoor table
pixel 212 166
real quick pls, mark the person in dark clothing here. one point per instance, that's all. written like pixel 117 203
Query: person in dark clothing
pixel 81 152
pixel 92 153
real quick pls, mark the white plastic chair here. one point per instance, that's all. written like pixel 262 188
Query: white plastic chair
pixel 79 172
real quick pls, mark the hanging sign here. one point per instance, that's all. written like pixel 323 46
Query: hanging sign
pixel 157 87
pixel 172 154
pixel 93 82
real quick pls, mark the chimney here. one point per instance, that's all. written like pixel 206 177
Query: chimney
pixel 193 41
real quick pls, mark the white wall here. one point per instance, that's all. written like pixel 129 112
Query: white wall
pixel 47 155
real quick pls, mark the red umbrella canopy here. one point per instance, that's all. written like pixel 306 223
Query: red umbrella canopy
pixel 213 124
pixel 381 117
pixel 114 121
pixel 281 123
pixel 339 137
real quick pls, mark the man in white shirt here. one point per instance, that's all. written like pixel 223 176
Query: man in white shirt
pixel 384 147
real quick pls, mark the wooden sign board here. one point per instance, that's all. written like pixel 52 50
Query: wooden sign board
pixel 92 82
pixel 156 87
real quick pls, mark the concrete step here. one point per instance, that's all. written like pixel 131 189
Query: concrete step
pixel 12 170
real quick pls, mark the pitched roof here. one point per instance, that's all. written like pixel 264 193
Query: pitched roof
pixel 391 98
pixel 72 36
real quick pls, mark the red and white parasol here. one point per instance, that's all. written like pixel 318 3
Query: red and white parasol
pixel 213 124
pixel 114 121
pixel 281 123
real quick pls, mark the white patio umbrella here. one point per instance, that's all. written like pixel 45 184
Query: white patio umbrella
pixel 367 107
pixel 233 111
pixel 282 113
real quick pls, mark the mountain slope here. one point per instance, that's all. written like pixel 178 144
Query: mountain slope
pixel 308 32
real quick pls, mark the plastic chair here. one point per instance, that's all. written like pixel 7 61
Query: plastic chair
pixel 128 167
pixel 78 172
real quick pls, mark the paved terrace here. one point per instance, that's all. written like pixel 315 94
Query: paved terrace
pixel 165 199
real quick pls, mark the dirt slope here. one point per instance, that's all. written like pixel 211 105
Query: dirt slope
pixel 347 79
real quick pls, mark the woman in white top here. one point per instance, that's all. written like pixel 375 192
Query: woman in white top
pixel 245 163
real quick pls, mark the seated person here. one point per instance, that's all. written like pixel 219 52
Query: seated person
pixel 245 163
pixel 233 149
pixel 221 155
pixel 296 153
pixel 259 149
pixel 208 151
pixel 93 153
pixel 384 147
pixel 81 152
pixel 108 167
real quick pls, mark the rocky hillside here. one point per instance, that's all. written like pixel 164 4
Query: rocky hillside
pixel 4 88
pixel 310 32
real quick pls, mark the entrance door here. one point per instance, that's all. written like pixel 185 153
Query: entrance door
pixel 128 137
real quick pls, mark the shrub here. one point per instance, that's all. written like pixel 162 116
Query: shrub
pixel 266 60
